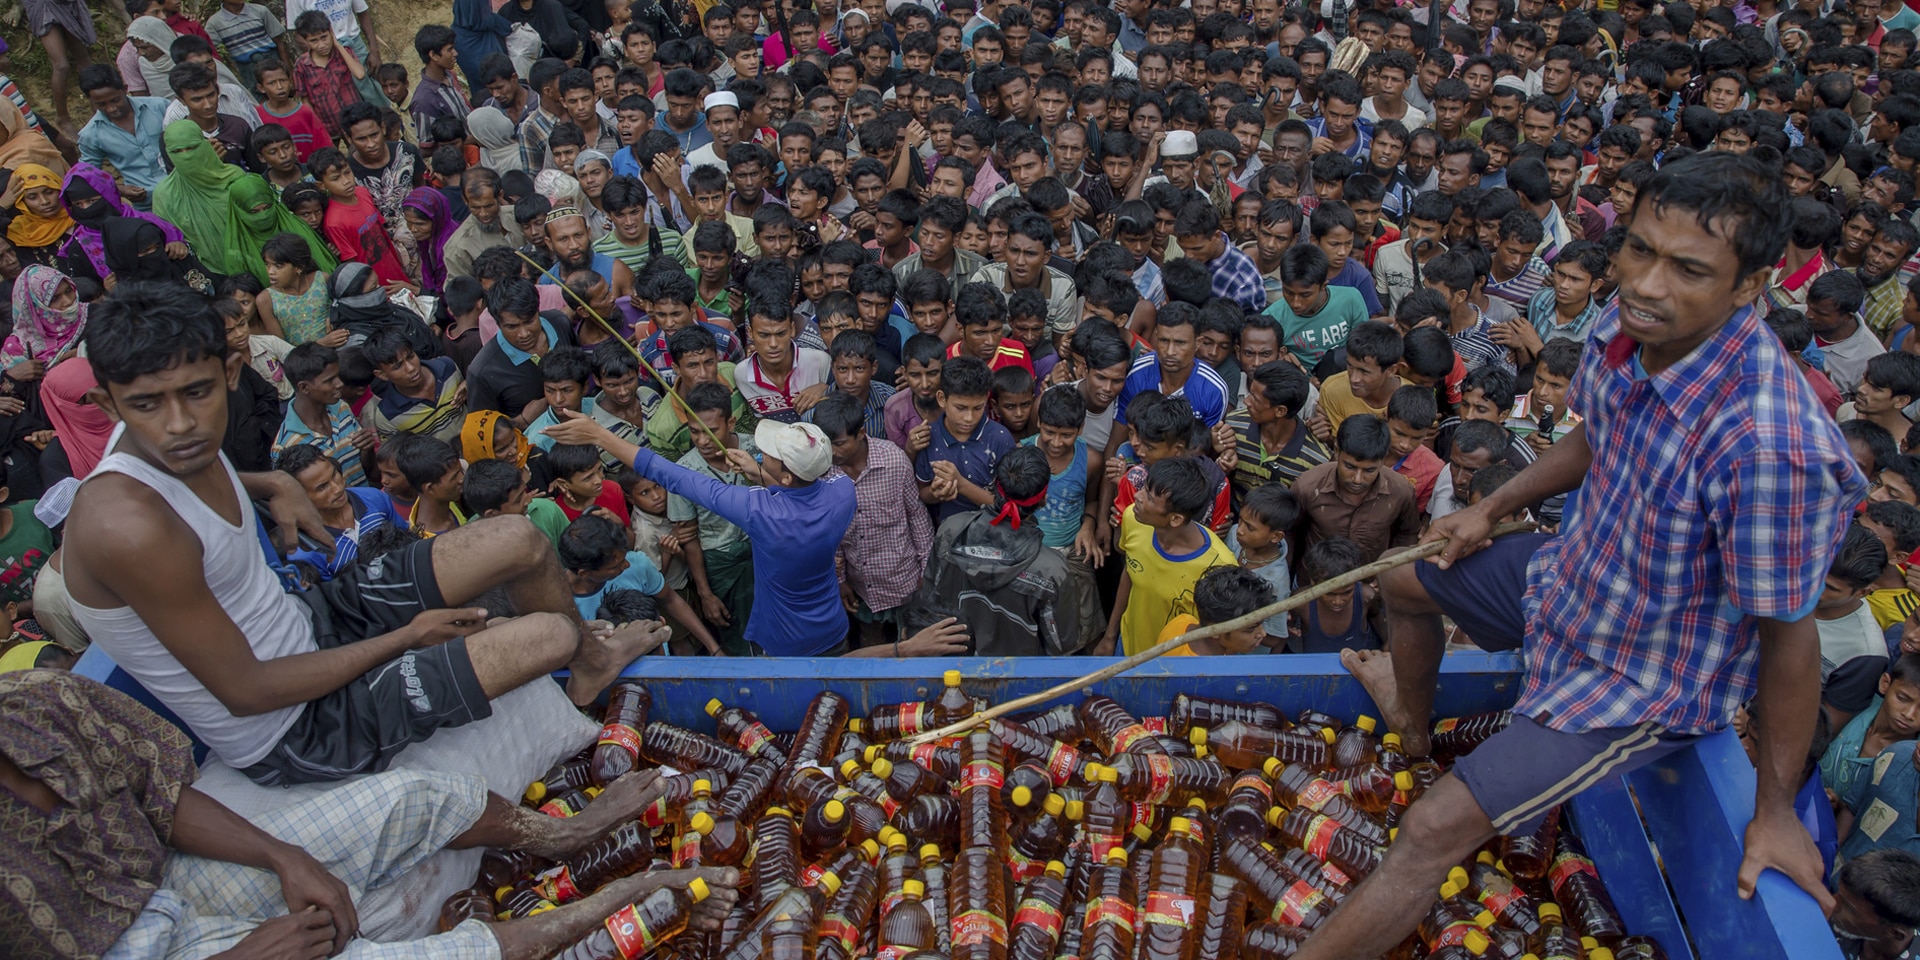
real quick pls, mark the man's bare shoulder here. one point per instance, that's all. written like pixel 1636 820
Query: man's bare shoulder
pixel 116 515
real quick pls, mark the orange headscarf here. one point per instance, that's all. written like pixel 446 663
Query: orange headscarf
pixel 21 144
pixel 476 438
pixel 29 229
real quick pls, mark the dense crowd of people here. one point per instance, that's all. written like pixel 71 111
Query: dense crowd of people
pixel 991 328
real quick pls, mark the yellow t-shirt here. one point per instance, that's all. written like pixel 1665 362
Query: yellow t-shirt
pixel 1175 627
pixel 1162 584
pixel 1891 606
pixel 1338 402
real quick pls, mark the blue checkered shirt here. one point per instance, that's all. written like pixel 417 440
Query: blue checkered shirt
pixel 1236 278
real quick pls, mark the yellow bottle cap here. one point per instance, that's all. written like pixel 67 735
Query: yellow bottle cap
pixel 1393 834
pixel 1076 809
pixel 1199 751
pixel 1197 736
pixel 701 823
pixel 1144 832
pixel 1403 780
pixel 1022 796
pixel 1327 734
pixel 930 851
pixel 1197 804
pixel 833 811
pixel 1477 943
pixel 539 909
pixel 848 768
pixel 1268 846
pixel 1549 909
pixel 1056 869
pixel 1588 943
pixel 502 892
pixel 885 834
pixel 1109 775
pixel 1458 877
pixel 697 888
pixel 829 883
pixel 1484 918
pixel 1274 814
pixel 1365 722
pixel 1272 767
pixel 1485 856
pixel 1599 953
pixel 1501 865
pixel 913 889
pixel 871 849
pixel 1054 805
pixel 594 793
pixel 536 791
pixel 713 707
pixel 1390 740
pixel 701 787
pixel 1117 857
pixel 882 768
pixel 896 842
pixel 951 678
pixel 1181 825
pixel 780 812
pixel 1449 889
pixel 856 725
pixel 871 753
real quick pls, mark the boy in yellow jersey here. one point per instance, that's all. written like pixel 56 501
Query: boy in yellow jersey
pixel 1222 594
pixel 1168 548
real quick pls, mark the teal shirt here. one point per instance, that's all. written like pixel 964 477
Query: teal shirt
pixel 1842 765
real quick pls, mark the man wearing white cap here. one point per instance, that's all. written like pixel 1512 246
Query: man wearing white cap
pixel 1179 150
pixel 796 522
pixel 723 122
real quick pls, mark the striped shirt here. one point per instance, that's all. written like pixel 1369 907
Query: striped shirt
pixel 1520 288
pixel 1722 481
pixel 1259 466
pixel 1883 306
pixel 1476 347
pixel 338 444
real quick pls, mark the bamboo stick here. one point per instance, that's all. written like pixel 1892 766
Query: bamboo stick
pixel 1300 599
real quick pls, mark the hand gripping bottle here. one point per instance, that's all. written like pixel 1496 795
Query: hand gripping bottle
pixel 637 928
pixel 1355 745
pixel 776 855
pixel 1578 890
pixel 953 705
pixel 1064 764
pixel 1272 940
pixel 628 703
pixel 668 745
pixel 1039 840
pixel 1296 786
pixel 1330 842
pixel 1223 921
pixel 820 728
pixel 1107 933
pixel 1170 919
pixel 739 728
pixel 1038 919
pixel 908 926
pixel 1450 920
pixel 933 875
pixel 1498 893
pixel 983 769
pixel 906 780
pixel 625 851
pixel 1243 747
pixel 1189 711
pixel 1113 729
pixel 977 905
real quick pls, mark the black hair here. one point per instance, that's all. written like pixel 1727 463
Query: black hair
pixel 1900 519
pixel 1162 420
pixel 1878 440
pixel 965 376
pixel 710 397
pixel 1012 381
pixel 297 458
pixel 839 415
pixel 1860 560
pixel 1889 880
pixel 1472 435
pixel 1561 358
pixel 1414 406
pixel 566 365
pixel 490 483
pixel 1746 199
pixel 1021 474
pixel 1062 407
pixel 1377 341
pixel 144 328
pixel 568 459
pixel 307 362
pixel 1364 437
pixel 627 605
pixel 1184 485
pixel 1305 263
pixel 1274 505
pixel 1329 558
pixel 1283 384
pixel 1491 477
pixel 980 304
pixel 591 542
pixel 424 459
pixel 1428 351
pixel 1840 288
pixel 1495 382
pixel 1898 373
pixel 1228 592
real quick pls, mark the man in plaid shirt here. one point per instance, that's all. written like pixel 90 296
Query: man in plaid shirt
pixel 1197 230
pixel 1712 495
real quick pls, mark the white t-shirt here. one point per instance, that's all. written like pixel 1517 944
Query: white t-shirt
pixel 1414 120
pixel 810 368
pixel 1847 359
pixel 341 13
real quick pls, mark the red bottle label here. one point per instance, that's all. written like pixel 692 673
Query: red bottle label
pixel 1159 777
pixel 1299 902
pixel 1335 875
pixel 1142 815
pixel 923 754
pixel 754 737
pixel 982 773
pixel 1317 794
pixel 887 803
pixel 888 902
pixel 1453 934
pixel 557 886
pixel 1112 910
pixel 656 814
pixel 1168 909
pixel 839 929
pixel 686 848
pixel 1038 912
pixel 1565 866
pixel 1101 844
pixel 558 807
pixel 1496 902
pixel 1256 783
pixel 909 719
pixel 1128 736
pixel 1061 761
pixel 1155 725
pixel 1024 868
pixel 622 736
pixel 972 928
pixel 629 932
pixel 1320 833
pixel 810 874
pixel 1445 726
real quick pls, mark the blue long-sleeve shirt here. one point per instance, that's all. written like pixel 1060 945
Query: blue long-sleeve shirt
pixel 796 596
pixel 478 32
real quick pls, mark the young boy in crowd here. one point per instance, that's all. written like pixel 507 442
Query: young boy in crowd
pixel 1358 496
pixel 598 560
pixel 1853 648
pixel 929 300
pixel 1259 542
pixel 280 104
pixel 1027 322
pixel 982 313
pixel 1374 351
pixel 580 485
pixel 855 359
pixel 393 483
pixel 494 487
pixel 250 34
pixel 326 75
pixel 653 533
pixel 433 468
pixel 1338 621
pixel 955 469
pixel 1222 594
pixel 1898 527
pixel 564 374
pixel 426 397
pixel 1892 716
pixel 719 555
pixel 781 380
pixel 1073 491
pixel 910 412
pixel 1889 386
pixel 318 416
pixel 1013 402
pixel 1168 548
pixel 1163 429
pixel 1410 416
pixel 1216 333
pixel 353 225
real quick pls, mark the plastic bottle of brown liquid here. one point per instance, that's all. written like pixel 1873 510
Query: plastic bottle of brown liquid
pixel 776 855
pixel 1060 721
pixel 1393 755
pixel 738 727
pixel 933 875
pixel 977 905
pixel 1189 711
pixel 1368 786
pixel 666 744
pixel 1164 779
pixel 1113 729
pixel 1578 890
pixel 823 830
pixel 953 705
pixel 1107 933
pixel 1451 919
pixel 628 703
pixel 1497 892
pixel 1300 788
pixel 1244 814
pixel 723 842
pixel 790 938
pixel 1243 747
pixel 569 803
pixel 808 786
pixel 906 780
pixel 1639 948
pixel 1170 917
pixel 908 926
pixel 940 758
pixel 805 903
pixel 1457 736
pixel 637 928
pixel 625 851
pixel 1554 940
pixel 820 728
pixel 1473 945
pixel 983 766
pixel 849 911
pixel 1272 940
pixel 1107 816
pixel 472 903
pixel 931 819
pixel 1355 744
pixel 1040 916
pixel 1223 918
pixel 524 902
pixel 573 774
pixel 753 789
pixel 1039 840
pixel 1328 841
pixel 853 745
pixel 1062 762
pixel 502 868
pixel 896 866
pixel 867 785
pixel 897 721
pixel 1024 789
pixel 1530 856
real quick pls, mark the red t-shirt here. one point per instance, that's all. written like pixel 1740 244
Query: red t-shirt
pixel 611 497
pixel 1423 467
pixel 359 232
pixel 1010 353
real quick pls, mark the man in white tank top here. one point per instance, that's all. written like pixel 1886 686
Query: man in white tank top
pixel 166 574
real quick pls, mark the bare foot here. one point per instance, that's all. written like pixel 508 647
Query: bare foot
pixel 606 650
pixel 1374 670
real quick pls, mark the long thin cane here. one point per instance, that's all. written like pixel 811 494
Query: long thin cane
pixel 1315 592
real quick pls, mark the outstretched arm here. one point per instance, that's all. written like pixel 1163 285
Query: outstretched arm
pixel 1789 699
pixel 733 503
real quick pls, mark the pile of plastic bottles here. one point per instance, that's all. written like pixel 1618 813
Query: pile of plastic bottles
pixel 1223 830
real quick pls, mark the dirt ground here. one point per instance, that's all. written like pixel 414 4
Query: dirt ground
pixel 395 21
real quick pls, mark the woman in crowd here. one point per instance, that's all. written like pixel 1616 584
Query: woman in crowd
pixel 40 224
pixel 255 217
pixel 430 218
pixel 48 319
pixel 137 251
pixel 92 198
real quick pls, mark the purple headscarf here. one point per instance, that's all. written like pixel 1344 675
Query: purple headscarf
pixel 86 232
pixel 430 203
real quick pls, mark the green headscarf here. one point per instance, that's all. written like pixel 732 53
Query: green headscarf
pixel 249 230
pixel 194 197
